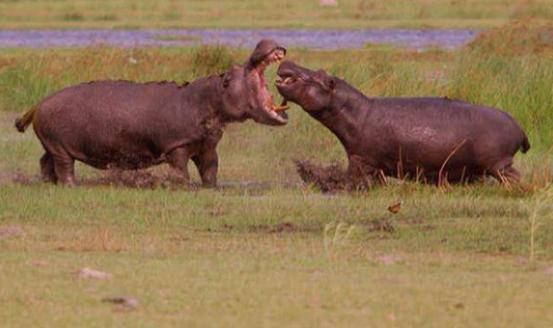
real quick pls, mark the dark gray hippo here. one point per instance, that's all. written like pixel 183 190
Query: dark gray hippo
pixel 432 139
pixel 129 125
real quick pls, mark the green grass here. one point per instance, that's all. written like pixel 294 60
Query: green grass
pixel 265 250
pixel 256 14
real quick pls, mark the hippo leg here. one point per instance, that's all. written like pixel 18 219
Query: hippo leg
pixel 363 173
pixel 178 159
pixel 64 167
pixel 511 174
pixel 207 163
pixel 505 173
pixel 47 168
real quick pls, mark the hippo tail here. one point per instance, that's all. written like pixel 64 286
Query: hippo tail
pixel 525 145
pixel 24 121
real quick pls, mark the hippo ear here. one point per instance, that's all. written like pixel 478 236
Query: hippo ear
pixel 331 83
pixel 225 77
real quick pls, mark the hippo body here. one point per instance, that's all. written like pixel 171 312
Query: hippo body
pixel 126 125
pixel 130 125
pixel 431 139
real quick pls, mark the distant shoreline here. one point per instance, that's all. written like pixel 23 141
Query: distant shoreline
pixel 328 39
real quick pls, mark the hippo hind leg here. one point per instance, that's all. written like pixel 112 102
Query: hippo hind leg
pixel 64 166
pixel 505 173
pixel 47 170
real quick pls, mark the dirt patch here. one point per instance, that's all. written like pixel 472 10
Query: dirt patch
pixel 284 227
pixel 328 179
pixel 152 178
pixel 142 179
pixel 379 225
pixel 122 303
pixel 88 273
pixel 11 231
pixel 388 259
pixel 21 178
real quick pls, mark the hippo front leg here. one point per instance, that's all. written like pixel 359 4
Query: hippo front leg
pixel 360 172
pixel 178 160
pixel 207 163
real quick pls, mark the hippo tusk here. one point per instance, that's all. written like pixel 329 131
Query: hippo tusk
pixel 281 108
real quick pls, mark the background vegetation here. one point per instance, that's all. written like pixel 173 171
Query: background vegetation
pixel 282 13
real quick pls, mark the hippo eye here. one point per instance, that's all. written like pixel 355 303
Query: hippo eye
pixel 226 81
pixel 282 49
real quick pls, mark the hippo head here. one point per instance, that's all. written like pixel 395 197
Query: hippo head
pixel 312 90
pixel 244 90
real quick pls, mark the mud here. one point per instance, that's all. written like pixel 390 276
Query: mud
pixel 284 227
pixel 153 179
pixel 330 178
pixel 380 225
pixel 140 179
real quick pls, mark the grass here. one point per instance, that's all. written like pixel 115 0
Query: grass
pixel 257 14
pixel 177 38
pixel 264 249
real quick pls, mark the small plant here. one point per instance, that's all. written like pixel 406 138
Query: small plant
pixel 336 236
pixel 538 207
pixel 208 60
pixel 73 17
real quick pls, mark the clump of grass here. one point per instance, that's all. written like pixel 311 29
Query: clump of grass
pixel 177 37
pixel 73 17
pixel 172 15
pixel 207 60
pixel 514 39
pixel 538 207
pixel 335 237
pixel 491 81
pixel 106 18
pixel 22 86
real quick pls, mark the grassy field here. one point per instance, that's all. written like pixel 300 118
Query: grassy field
pixel 263 249
pixel 280 14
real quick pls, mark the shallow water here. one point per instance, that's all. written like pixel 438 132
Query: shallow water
pixel 313 39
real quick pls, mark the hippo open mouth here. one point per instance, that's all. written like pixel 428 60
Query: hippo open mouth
pixel 265 55
pixel 287 76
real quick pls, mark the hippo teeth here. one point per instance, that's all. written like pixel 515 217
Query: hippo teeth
pixel 286 80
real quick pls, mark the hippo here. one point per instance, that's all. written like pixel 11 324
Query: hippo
pixel 437 140
pixel 127 125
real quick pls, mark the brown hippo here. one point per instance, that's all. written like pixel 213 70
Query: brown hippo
pixel 130 125
pixel 432 139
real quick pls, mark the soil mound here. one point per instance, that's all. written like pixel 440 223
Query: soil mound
pixel 328 179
